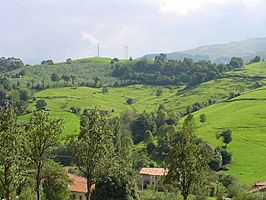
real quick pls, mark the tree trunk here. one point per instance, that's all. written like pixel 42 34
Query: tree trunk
pixel 7 193
pixel 88 195
pixel 38 182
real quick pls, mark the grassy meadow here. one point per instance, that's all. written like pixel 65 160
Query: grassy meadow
pixel 247 119
pixel 245 114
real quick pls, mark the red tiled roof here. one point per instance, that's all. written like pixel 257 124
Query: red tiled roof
pixel 79 184
pixel 153 171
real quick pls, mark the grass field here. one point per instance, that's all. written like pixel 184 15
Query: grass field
pixel 70 121
pixel 245 115
pixel 247 119
pixel 61 99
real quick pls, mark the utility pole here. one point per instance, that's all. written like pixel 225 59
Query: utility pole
pixel 98 50
pixel 126 52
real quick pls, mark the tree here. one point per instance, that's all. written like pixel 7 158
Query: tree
pixel 203 118
pixel 226 135
pixel 105 90
pixel 130 101
pixel 56 181
pixel 161 59
pixel 42 135
pixel 161 117
pixel 73 78
pixel 96 80
pixel 66 79
pixel 55 78
pixel 254 60
pixel 94 146
pixel 159 92
pixel 24 96
pixel 140 125
pixel 148 137
pixel 188 161
pixel 10 151
pixel 69 60
pixel 236 62
pixel 41 105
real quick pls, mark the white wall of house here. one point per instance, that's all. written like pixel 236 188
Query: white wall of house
pixel 78 196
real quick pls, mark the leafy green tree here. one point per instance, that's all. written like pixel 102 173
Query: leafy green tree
pixel 226 156
pixel 69 60
pixel 73 78
pixel 10 151
pixel 24 95
pixel 161 117
pixel 41 105
pixel 203 118
pixel 226 135
pixel 140 125
pixel 236 62
pixel 96 81
pixel 130 101
pixel 66 79
pixel 56 181
pixel 94 147
pixel 188 161
pixel 42 135
pixel 55 78
pixel 159 92
pixel 105 90
pixel 161 59
pixel 148 137
pixel 255 60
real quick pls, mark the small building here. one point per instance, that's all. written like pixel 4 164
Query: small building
pixel 259 187
pixel 151 176
pixel 78 187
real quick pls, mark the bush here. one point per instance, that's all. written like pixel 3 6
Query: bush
pixel 130 101
pixel 105 90
pixel 41 105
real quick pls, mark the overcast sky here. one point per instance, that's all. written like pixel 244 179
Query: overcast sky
pixel 57 29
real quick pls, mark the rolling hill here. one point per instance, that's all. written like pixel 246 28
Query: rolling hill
pixel 246 117
pixel 222 53
pixel 245 114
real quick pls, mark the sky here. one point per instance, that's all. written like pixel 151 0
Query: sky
pixel 36 30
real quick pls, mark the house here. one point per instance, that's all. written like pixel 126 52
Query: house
pixel 78 187
pixel 151 176
pixel 259 187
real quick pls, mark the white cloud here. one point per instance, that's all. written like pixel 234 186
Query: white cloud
pixel 188 7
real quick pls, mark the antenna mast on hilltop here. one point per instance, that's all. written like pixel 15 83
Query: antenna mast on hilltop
pixel 126 52
pixel 98 50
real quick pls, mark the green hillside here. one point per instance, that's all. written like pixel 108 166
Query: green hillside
pixel 61 99
pixel 246 116
pixel 84 70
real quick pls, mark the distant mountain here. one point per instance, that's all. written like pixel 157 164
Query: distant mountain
pixel 222 53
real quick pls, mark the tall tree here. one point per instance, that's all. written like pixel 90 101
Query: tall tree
pixel 94 147
pixel 226 135
pixel 10 151
pixel 187 161
pixel 55 78
pixel 203 118
pixel 42 134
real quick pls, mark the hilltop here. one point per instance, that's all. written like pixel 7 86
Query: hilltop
pixel 222 53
